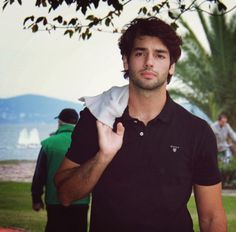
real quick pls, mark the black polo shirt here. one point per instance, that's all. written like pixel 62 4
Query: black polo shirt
pixel 147 185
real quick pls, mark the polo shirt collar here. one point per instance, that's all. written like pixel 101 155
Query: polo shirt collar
pixel 167 111
pixel 164 116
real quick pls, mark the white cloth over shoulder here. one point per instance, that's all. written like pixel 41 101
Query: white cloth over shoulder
pixel 109 105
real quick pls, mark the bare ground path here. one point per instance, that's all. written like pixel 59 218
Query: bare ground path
pixel 21 171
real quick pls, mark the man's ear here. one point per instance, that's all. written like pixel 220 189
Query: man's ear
pixel 172 69
pixel 125 63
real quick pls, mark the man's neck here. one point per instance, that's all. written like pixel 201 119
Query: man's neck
pixel 146 105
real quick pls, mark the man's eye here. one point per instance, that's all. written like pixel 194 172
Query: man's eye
pixel 161 56
pixel 138 53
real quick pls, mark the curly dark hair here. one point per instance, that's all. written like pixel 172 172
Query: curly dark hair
pixel 151 26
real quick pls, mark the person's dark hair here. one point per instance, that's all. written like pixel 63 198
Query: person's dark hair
pixel 222 115
pixel 151 26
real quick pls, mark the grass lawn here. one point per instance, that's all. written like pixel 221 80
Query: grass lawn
pixel 16 211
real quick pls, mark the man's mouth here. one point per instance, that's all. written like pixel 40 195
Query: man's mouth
pixel 148 74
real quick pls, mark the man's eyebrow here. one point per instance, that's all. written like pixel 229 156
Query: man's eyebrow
pixel 156 50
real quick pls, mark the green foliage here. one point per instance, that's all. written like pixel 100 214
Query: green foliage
pixel 114 9
pixel 208 75
pixel 228 172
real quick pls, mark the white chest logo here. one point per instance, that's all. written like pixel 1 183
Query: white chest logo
pixel 174 148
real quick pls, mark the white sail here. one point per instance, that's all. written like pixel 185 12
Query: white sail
pixel 23 138
pixel 34 139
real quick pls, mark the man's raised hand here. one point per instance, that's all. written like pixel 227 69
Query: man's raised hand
pixel 109 141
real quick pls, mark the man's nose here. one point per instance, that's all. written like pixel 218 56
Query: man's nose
pixel 149 60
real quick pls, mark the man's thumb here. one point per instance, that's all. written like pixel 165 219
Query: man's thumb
pixel 120 129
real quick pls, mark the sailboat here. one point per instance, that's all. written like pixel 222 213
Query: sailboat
pixel 28 139
pixel 23 138
pixel 34 140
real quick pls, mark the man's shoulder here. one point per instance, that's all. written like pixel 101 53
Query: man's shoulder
pixel 86 125
pixel 187 116
pixel 192 124
pixel 85 114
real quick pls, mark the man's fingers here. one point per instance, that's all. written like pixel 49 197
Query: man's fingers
pixel 120 128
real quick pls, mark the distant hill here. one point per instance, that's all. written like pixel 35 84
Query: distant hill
pixel 31 108
pixel 40 109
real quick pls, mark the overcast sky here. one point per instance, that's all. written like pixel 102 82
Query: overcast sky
pixel 54 65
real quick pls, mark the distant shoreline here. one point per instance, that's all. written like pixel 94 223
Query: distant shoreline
pixel 16 161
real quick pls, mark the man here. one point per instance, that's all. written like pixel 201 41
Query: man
pixel 223 132
pixel 54 148
pixel 142 171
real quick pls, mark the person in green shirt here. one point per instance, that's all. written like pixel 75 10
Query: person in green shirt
pixel 52 152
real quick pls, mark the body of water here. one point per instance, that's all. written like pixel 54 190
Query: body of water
pixel 12 149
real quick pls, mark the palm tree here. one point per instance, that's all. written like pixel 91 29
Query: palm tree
pixel 209 75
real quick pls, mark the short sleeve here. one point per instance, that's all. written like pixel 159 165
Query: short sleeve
pixel 84 144
pixel 206 171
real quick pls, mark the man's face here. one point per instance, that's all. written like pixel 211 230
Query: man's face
pixel 149 63
pixel 223 121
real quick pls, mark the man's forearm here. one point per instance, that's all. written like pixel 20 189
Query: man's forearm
pixel 78 182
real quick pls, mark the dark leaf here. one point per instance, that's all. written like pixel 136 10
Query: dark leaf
pixel 54 4
pixel 4 6
pixel 38 3
pixel 174 26
pixel 116 4
pixel 83 36
pixel 28 18
pixel 144 10
pixel 35 28
pixel 73 21
pixel 68 2
pixel 107 22
pixel 89 35
pixel 41 2
pixel 39 19
pixel 44 3
pixel 182 7
pixel 20 2
pixel 221 6
pixel 156 9
pixel 90 17
pixel 70 32
pixel 96 3
pixel 83 10
pixel 78 28
pixel 171 15
pixel 59 19
pixel 45 21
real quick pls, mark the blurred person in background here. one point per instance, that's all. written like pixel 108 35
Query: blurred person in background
pixel 223 133
pixel 53 150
